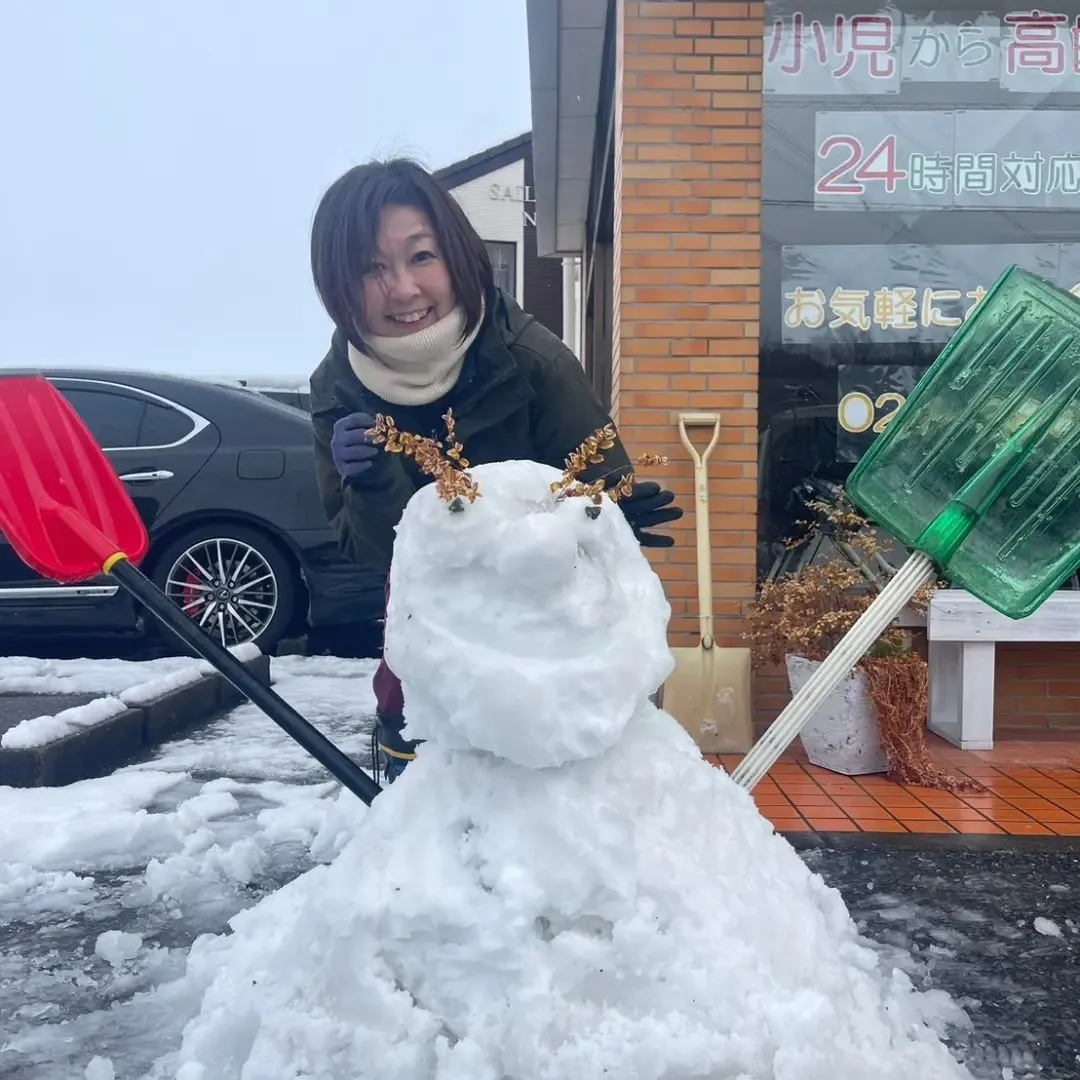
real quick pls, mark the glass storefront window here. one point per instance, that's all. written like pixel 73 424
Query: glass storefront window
pixel 910 154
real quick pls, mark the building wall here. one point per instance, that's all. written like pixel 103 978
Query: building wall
pixel 501 206
pixel 688 256
pixel 496 216
pixel 686 300
pixel 543 277
pixel 1036 688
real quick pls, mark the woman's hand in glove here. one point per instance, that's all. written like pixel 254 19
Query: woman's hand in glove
pixel 647 506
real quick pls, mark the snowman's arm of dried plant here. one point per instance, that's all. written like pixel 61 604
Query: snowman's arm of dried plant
pixel 625 487
pixel 449 471
pixel 570 486
pixel 589 453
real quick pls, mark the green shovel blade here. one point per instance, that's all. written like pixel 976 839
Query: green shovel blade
pixel 980 467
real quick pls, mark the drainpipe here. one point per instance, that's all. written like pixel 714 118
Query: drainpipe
pixel 570 304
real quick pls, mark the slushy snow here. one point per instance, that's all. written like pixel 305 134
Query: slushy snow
pixel 559 887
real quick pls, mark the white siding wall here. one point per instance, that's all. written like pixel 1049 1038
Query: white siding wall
pixel 498 218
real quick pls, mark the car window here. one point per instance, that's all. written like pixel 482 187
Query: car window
pixel 113 419
pixel 163 425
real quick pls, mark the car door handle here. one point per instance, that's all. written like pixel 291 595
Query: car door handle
pixel 146 477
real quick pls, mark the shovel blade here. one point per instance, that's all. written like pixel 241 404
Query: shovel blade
pixel 63 509
pixel 709 694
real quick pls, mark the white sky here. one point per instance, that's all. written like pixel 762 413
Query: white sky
pixel 160 161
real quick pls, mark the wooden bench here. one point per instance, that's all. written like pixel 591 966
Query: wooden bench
pixel 963 634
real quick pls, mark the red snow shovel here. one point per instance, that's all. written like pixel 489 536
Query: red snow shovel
pixel 67 515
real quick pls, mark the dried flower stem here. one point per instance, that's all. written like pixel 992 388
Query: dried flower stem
pixel 569 485
pixel 808 613
pixel 448 467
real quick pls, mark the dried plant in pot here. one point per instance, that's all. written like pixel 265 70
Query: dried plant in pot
pixel 875 720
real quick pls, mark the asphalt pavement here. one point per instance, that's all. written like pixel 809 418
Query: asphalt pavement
pixel 999 929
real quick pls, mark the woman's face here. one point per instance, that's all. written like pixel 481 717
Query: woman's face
pixel 407 288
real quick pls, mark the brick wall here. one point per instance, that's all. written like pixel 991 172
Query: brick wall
pixel 687 271
pixel 1037 688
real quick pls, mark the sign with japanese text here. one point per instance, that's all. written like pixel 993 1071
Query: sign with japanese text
pixel 917 117
pixel 960 159
pixel 867 399
pixel 902 293
pixel 1024 51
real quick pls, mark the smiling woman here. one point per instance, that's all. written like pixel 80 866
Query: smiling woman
pixel 421 330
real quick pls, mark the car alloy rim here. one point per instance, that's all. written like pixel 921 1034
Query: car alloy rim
pixel 227 587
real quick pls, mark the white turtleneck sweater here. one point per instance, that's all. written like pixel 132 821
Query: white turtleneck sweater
pixel 415 369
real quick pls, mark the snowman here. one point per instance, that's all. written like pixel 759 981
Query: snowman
pixel 559 887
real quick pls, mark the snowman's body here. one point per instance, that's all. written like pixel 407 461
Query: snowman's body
pixel 559 886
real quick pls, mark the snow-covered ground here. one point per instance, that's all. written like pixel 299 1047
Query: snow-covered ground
pixel 105 884
pixel 33 675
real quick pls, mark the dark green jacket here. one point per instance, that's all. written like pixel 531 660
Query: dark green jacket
pixel 522 395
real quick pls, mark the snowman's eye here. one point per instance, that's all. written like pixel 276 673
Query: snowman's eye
pixel 592 512
pixel 456 505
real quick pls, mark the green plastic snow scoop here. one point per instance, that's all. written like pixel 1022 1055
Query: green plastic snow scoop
pixel 978 473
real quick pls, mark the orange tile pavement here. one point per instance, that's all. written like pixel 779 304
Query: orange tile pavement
pixel 1032 789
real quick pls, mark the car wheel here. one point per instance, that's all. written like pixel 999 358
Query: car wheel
pixel 234 582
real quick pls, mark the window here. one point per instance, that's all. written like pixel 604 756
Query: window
pixel 114 419
pixel 503 264
pixel 162 425
pixel 909 156
pixel 118 420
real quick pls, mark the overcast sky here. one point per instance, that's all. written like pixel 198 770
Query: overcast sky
pixel 161 161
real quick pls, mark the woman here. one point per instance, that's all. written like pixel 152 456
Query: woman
pixel 419 329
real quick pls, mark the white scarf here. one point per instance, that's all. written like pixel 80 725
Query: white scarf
pixel 415 369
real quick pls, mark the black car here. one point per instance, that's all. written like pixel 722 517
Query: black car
pixel 224 479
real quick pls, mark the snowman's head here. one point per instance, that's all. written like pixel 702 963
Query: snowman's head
pixel 524 622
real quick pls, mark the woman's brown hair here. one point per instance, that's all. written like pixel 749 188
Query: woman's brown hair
pixel 345 231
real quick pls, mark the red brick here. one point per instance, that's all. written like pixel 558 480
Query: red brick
pixel 688 257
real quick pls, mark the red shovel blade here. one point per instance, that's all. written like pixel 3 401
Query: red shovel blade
pixel 62 507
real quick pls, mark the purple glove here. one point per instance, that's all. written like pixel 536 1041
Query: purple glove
pixel 353 451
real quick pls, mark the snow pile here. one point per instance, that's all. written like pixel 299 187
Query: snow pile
pixel 155 689
pixel 34 675
pixel 41 730
pixel 559 886
pixel 100 1069
pixel 115 947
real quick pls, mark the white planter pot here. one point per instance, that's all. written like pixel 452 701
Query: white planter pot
pixel 842 735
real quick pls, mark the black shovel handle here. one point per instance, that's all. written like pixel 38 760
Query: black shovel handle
pixel 338 764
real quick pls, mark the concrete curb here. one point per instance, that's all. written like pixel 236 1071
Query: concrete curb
pixel 861 841
pixel 99 749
